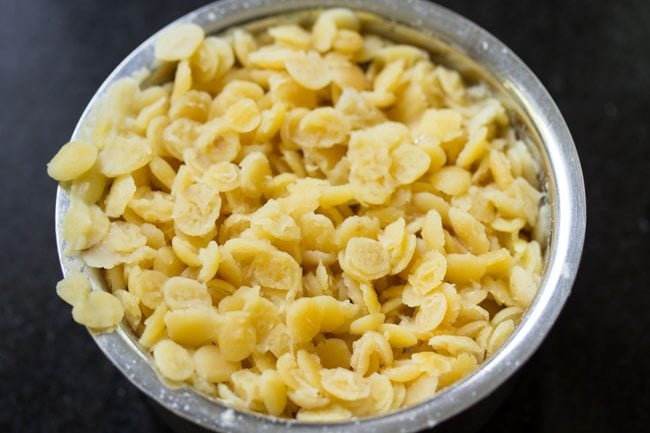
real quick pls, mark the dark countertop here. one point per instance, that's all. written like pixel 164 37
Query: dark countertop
pixel 592 374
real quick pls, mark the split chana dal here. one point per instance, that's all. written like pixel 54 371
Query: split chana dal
pixel 309 222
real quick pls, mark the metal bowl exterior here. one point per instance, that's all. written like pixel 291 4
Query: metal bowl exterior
pixel 566 196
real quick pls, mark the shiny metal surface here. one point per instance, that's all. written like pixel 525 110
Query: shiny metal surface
pixel 460 43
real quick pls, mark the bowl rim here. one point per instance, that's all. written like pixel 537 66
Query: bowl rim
pixel 568 222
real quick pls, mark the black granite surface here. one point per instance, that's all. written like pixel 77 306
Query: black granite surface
pixel 592 374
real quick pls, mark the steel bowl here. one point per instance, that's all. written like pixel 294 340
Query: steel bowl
pixel 452 40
